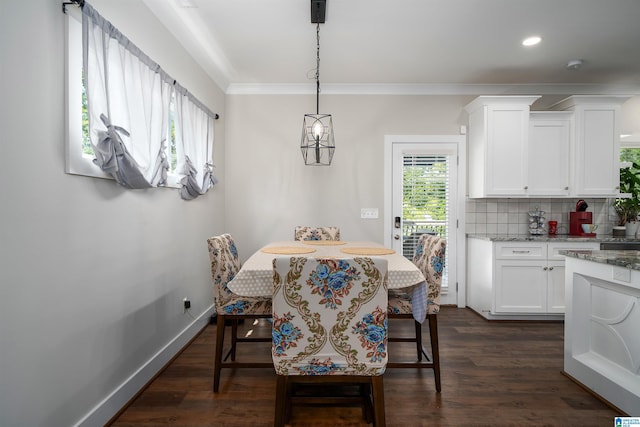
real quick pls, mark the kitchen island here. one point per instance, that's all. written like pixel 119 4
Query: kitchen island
pixel 602 324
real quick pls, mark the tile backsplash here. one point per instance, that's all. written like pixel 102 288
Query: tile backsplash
pixel 510 216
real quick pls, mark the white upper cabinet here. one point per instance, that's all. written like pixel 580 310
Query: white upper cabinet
pixel 571 151
pixel 595 157
pixel 498 139
pixel 548 153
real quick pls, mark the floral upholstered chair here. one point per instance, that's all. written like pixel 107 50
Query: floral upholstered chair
pixel 429 257
pixel 317 233
pixel 230 307
pixel 330 326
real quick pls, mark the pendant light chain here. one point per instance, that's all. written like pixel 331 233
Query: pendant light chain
pixel 318 68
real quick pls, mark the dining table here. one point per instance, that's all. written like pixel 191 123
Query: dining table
pixel 255 277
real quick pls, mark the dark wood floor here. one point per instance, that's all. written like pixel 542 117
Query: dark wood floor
pixel 493 374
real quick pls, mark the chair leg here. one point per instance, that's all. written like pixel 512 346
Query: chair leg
pixel 433 333
pixel 281 399
pixel 418 328
pixel 217 368
pixel 289 391
pixel 378 401
pixel 234 338
pixel 367 406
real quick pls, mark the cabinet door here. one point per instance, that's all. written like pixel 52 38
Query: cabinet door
pixel 507 136
pixel 520 287
pixel 555 287
pixel 554 248
pixel 597 168
pixel 548 155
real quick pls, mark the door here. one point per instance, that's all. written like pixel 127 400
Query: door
pixel 425 197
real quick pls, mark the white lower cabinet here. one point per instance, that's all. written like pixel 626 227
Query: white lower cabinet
pixel 517 278
pixel 520 287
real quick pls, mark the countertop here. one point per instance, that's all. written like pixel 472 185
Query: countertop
pixel 626 259
pixel 546 238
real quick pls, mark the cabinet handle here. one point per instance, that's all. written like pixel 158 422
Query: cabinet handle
pixel 521 252
pixel 550 268
pixel 566 188
pixel 545 269
pixel 526 187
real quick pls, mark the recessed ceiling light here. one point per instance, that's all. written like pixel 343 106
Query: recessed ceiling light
pixel 531 41
pixel 574 64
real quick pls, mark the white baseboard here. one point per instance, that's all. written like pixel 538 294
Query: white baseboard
pixel 116 400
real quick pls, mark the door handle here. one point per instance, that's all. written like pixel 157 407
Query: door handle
pixel 396 236
pixel 397 222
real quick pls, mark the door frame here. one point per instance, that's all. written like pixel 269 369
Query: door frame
pixel 461 142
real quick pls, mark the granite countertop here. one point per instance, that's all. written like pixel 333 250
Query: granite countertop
pixel 626 259
pixel 546 238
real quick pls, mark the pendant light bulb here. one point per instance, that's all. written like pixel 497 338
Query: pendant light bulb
pixel 317 130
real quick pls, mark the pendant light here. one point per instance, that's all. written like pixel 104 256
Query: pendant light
pixel 318 143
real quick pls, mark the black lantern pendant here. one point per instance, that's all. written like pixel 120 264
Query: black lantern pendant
pixel 318 143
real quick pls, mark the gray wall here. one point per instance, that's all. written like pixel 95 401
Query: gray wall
pixel 92 275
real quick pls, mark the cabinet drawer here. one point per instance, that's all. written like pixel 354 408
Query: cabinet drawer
pixel 554 248
pixel 520 250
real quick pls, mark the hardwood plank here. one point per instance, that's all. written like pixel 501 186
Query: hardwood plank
pixel 493 374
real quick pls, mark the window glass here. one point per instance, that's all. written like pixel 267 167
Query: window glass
pixel 630 154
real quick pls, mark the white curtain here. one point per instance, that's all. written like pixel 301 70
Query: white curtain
pixel 194 144
pixel 128 99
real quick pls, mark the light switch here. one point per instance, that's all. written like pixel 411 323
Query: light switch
pixel 369 213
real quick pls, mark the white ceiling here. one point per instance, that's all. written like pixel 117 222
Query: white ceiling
pixel 412 46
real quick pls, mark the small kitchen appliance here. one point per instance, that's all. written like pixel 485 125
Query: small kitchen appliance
pixel 576 219
pixel 536 222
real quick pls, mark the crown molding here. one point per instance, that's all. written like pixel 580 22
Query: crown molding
pixel 433 89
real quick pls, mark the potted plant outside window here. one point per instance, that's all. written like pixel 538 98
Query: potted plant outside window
pixel 628 208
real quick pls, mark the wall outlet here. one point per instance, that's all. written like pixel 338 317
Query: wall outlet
pixel 187 304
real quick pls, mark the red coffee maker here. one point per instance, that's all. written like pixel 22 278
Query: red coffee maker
pixel 576 219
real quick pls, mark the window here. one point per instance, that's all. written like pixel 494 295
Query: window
pixel 158 138
pixel 629 151
pixel 425 199
pixel 79 152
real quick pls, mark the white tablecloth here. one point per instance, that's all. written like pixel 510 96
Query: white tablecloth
pixel 256 275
